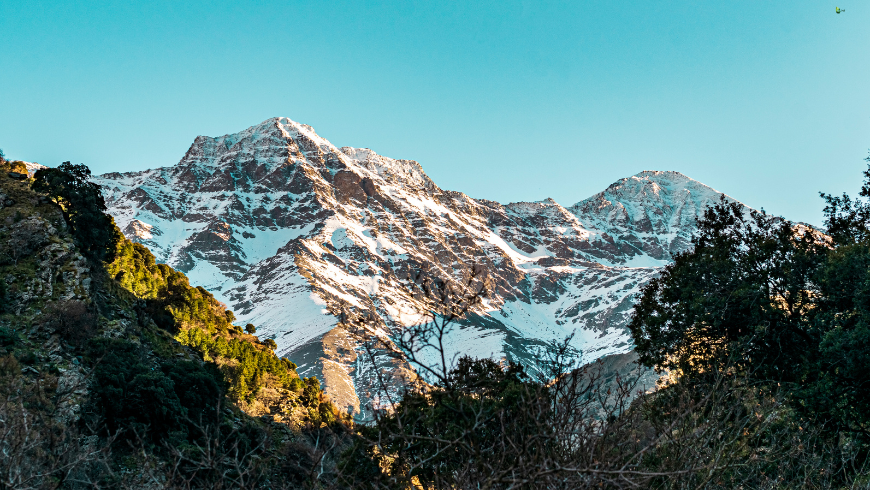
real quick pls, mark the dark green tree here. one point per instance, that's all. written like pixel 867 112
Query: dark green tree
pixel 740 295
pixel 175 400
pixel 83 207
pixel 848 220
pixel 250 328
pixel 777 302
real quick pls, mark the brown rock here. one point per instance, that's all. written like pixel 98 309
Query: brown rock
pixel 347 187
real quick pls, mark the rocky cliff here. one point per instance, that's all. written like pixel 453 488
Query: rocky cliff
pixel 289 230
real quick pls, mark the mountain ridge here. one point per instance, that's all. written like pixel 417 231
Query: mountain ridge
pixel 290 230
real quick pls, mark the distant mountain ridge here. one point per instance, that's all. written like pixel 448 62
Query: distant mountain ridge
pixel 288 230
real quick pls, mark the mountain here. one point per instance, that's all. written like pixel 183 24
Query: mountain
pixel 289 230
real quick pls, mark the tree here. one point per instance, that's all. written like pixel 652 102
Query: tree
pixel 17 166
pixel 847 220
pixel 744 288
pixel 174 400
pixel 83 206
pixel 250 328
pixel 779 303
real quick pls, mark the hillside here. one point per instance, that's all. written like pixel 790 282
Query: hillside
pixel 105 354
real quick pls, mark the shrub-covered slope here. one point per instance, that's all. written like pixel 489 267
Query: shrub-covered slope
pixel 128 370
pixel 259 381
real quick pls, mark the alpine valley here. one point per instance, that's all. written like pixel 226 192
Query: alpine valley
pixel 289 231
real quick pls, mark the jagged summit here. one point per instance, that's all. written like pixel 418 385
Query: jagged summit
pixel 290 230
pixel 404 172
pixel 662 206
pixel 280 141
pixel 664 174
pixel 261 142
pixel 654 182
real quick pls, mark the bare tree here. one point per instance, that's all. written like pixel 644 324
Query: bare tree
pixel 72 319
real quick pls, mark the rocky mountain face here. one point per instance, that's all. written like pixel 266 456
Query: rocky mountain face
pixel 290 230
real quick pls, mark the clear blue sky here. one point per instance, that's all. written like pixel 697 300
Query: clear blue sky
pixel 768 101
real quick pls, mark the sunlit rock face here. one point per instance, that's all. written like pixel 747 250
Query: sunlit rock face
pixel 289 230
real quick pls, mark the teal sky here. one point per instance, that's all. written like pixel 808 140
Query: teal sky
pixel 768 101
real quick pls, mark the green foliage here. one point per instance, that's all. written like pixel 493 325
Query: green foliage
pixel 17 166
pixel 203 323
pixel 743 287
pixel 250 328
pixel 246 375
pixel 134 267
pixel 835 384
pixel 199 388
pixel 83 207
pixel 848 220
pixel 27 356
pixel 135 397
pixel 172 302
pixel 778 303
pixel 7 337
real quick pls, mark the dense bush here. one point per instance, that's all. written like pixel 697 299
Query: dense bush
pixel 7 337
pixel 17 166
pixel 135 268
pixel 747 284
pixel 472 406
pixel 163 400
pixel 171 301
pixel 252 364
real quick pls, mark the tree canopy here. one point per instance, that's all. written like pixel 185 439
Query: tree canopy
pixel 779 302
pixel 84 208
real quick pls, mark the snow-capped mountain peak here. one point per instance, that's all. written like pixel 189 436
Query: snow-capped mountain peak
pixel 655 211
pixel 289 230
